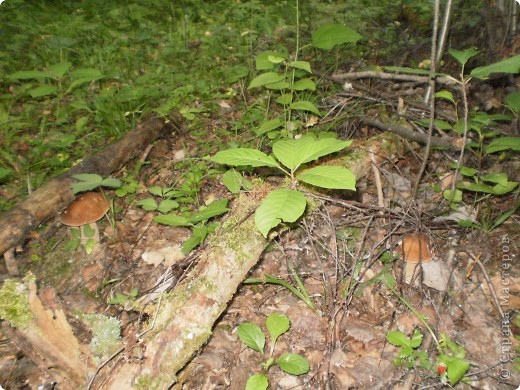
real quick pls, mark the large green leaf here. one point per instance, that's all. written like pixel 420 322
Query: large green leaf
pixel 398 339
pixel 43 90
pixel 263 62
pixel 279 205
pixel 266 79
pixel 457 367
pixel 90 73
pixel 292 153
pixel 497 189
pixel 268 126
pixel 513 102
pixel 509 65
pixel 29 74
pixel 304 85
pixel 304 105
pixel 463 56
pixel 303 65
pixel 214 209
pixel 244 157
pixel 329 35
pixel 504 143
pixel 58 70
pixel 326 176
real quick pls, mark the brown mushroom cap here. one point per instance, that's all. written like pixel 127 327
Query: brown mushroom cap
pixel 416 248
pixel 87 208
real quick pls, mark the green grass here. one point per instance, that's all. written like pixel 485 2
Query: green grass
pixel 153 57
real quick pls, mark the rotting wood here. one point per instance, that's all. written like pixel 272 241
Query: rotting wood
pixel 17 223
pixel 187 314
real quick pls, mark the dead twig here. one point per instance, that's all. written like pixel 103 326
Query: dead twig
pixel 477 261
pixel 343 77
pixel 414 136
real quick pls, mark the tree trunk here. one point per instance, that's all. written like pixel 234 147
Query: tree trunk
pixel 17 223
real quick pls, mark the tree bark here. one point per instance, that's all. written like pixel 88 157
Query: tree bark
pixel 17 223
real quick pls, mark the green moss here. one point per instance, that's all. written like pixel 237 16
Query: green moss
pixel 144 382
pixel 14 302
pixel 106 334
pixel 207 285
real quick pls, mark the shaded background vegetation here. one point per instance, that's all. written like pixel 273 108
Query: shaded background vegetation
pixel 154 57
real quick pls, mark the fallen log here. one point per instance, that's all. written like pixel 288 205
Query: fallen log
pixel 18 222
pixel 182 320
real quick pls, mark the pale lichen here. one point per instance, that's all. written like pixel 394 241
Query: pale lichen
pixel 106 334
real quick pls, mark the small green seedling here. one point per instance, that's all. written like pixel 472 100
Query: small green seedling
pixel 121 299
pixel 197 221
pixel 290 157
pixel 409 355
pixel 451 364
pixel 90 181
pixel 290 81
pixel 252 336
pixel 165 205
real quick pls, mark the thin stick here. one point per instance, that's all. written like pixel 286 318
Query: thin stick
pixel 476 259
pixel 379 184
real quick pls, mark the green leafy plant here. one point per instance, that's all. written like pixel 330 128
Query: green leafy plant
pixel 197 221
pixel 58 81
pixel 409 355
pixel 289 156
pixel 251 335
pixel 450 356
pixel 486 141
pixel 91 181
pixel 165 205
pixel 299 291
pixel 451 364
pixel 291 80
pixel 121 299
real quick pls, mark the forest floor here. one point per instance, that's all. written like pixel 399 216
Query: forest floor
pixel 471 296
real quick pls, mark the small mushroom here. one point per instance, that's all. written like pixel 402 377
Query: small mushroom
pixel 86 210
pixel 416 250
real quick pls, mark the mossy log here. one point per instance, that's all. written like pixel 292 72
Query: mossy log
pixel 186 315
pixel 37 325
pixel 17 223
pixel 181 321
